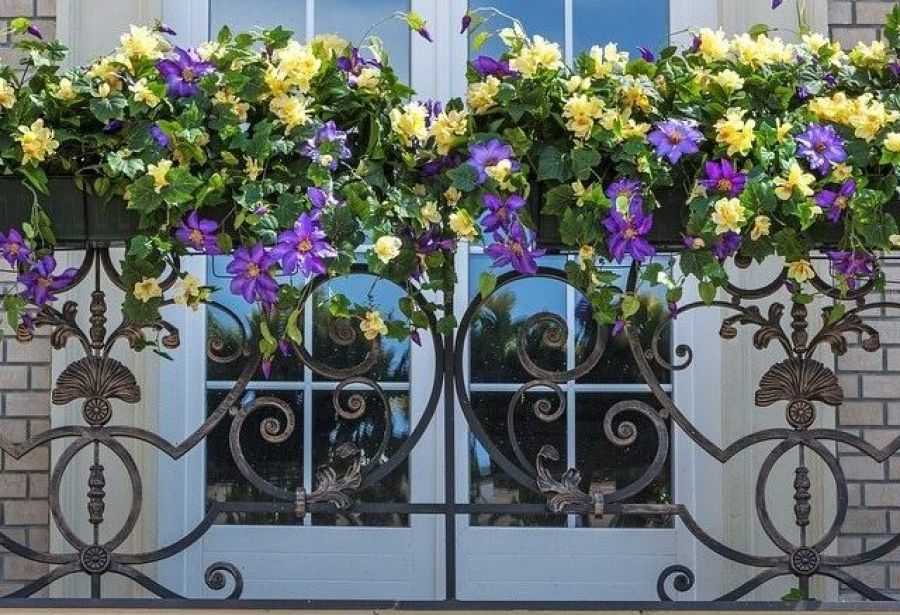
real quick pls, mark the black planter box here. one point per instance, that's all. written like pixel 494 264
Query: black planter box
pixel 669 222
pixel 78 219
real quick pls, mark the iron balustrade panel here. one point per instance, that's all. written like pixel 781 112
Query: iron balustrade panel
pixel 797 379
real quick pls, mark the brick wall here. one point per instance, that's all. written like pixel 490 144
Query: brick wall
pixel 871 381
pixel 24 395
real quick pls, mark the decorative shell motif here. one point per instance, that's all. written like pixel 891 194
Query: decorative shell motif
pixel 100 377
pixel 794 379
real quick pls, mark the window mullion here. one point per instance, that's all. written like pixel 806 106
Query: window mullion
pixel 310 19
pixel 308 399
pixel 569 24
pixel 570 364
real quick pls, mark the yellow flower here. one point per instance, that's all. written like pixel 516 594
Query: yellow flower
pixel 576 83
pixel 586 255
pixel 446 127
pixel 579 190
pixel 838 108
pixel 782 130
pixel 147 289
pixel 292 111
pixel 580 112
pixel 37 141
pixel 429 212
pixel 103 90
pixel 713 44
pixel 607 59
pixel 227 99
pixel 452 195
pixel 140 42
pixel 634 93
pixel 761 226
pixel 188 291
pixel 463 225
pixel 106 70
pixel 65 91
pixel 801 271
pixel 387 248
pixel 735 132
pixel 368 78
pixel 158 172
pixel 873 55
pixel 373 325
pixel 895 240
pixel 500 172
pixel 298 64
pixel 331 44
pixel 870 117
pixel 728 215
pixel 841 172
pixel 761 50
pixel 815 41
pixel 892 142
pixel 143 94
pixel 252 168
pixel 481 96
pixel 729 80
pixel 8 94
pixel 409 122
pixel 540 53
pixel 796 181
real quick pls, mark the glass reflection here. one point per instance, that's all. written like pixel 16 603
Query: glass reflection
pixel 544 17
pixel 628 23
pixel 291 14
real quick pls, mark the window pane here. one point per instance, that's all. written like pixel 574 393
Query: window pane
pixel 489 484
pixel 351 19
pixel 606 467
pixel 492 343
pixel 367 432
pixel 393 357
pixel 281 463
pixel 627 22
pixel 544 17
pixel 237 15
pixel 231 328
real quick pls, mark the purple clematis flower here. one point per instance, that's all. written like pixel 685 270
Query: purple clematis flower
pixel 722 177
pixel 834 204
pixel 465 23
pixel 627 190
pixel 516 249
pixel 436 166
pixel 894 67
pixel 426 243
pixel 487 66
pixel 304 247
pixel 113 126
pixel 673 139
pixel 328 141
pixel 803 93
pixel 776 3
pixel 14 248
pixel 159 135
pixel 854 266
pixel 199 234
pixel 34 31
pixel 618 327
pixel 40 283
pixel 727 245
pixel 183 72
pixel 424 33
pixel 822 146
pixel 501 212
pixel 626 233
pixel 321 199
pixel 646 54
pixel 165 29
pixel 484 155
pixel 355 63
pixel 252 270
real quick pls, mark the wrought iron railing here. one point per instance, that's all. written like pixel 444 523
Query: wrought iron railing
pixel 798 379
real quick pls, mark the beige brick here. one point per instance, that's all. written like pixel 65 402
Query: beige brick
pixel 26 512
pixel 872 575
pixel 861 413
pixel 840 12
pixel 849 36
pixel 47 8
pixel 37 351
pixel 20 569
pixel 13 377
pixel 38 485
pixel 862 468
pixel 10 57
pixel 894 468
pixel 881 494
pixel 39 538
pixel 868 12
pixel 880 437
pixel 863 521
pixel 36 460
pixel 881 385
pixel 39 379
pixel 893 414
pixel 888 329
pixel 858 359
pixel 36 426
pixel 27 404
pixel 15 430
pixel 13 485
pixel 850 385
pixel 16 8
pixel 848 545
pixel 854 494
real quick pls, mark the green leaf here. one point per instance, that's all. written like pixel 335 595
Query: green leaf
pixel 463 178
pixel 558 199
pixel 583 160
pixel 267 342
pixel 836 313
pixel 111 107
pixel 291 328
pixel 140 247
pixel 707 292
pixel 487 282
pixel 182 186
pixel 480 39
pixel 144 197
pixel 224 35
pixel 759 29
pixel 551 165
pixel 36 177
pixel 795 595
pixel 630 306
pixel 892 27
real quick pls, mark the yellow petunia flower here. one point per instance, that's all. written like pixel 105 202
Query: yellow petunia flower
pixel 735 132
pixel 482 96
pixel 147 289
pixel 409 123
pixel 37 141
pixel 801 271
pixel 797 180
pixel 729 215
pixel 158 172
pixel 387 248
pixel 373 325
pixel 761 226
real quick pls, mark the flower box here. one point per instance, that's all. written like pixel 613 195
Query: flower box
pixel 79 219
